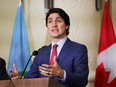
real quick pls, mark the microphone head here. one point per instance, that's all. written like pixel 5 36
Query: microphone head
pixel 35 52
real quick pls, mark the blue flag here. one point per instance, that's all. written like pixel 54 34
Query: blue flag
pixel 19 51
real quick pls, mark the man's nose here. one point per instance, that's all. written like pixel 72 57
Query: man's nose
pixel 54 24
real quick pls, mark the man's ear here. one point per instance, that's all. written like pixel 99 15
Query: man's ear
pixel 67 27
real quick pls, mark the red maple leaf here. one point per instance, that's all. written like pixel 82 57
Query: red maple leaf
pixel 101 79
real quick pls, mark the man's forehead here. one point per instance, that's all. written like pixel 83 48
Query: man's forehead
pixel 54 15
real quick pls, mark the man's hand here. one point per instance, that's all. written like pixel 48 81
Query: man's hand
pixel 14 74
pixel 52 70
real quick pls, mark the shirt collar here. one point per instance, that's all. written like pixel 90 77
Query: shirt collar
pixel 60 43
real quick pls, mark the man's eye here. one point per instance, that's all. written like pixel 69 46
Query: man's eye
pixel 59 20
pixel 49 21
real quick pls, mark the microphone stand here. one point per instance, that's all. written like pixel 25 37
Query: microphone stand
pixel 34 53
pixel 26 66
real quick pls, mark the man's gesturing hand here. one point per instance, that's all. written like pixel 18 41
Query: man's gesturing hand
pixel 52 70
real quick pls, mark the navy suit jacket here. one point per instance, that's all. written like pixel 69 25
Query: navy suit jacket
pixel 73 58
pixel 3 73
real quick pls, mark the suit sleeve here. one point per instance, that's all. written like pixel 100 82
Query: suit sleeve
pixel 79 78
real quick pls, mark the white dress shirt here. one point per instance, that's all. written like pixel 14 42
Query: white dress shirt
pixel 60 45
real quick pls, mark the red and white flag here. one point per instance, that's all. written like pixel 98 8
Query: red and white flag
pixel 106 61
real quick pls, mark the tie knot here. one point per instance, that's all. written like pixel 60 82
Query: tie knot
pixel 55 46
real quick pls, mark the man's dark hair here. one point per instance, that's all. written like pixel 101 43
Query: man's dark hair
pixel 62 13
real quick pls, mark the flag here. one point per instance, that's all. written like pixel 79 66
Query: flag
pixel 19 51
pixel 106 60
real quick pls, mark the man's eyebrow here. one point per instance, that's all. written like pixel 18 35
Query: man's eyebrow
pixel 56 18
pixel 49 18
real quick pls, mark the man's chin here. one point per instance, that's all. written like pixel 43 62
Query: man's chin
pixel 56 37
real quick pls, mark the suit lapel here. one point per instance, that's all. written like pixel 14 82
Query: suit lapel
pixel 47 54
pixel 64 51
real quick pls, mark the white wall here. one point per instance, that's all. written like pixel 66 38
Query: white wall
pixel 7 15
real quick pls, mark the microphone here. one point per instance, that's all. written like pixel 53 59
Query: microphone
pixel 35 52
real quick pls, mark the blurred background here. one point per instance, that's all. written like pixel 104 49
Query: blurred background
pixel 85 18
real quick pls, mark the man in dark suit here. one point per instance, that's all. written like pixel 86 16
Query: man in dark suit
pixel 3 73
pixel 70 61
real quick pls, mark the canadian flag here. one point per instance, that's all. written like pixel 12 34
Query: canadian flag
pixel 106 61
